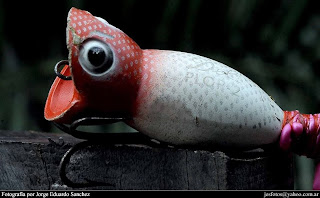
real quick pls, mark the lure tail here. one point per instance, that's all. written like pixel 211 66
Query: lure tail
pixel 300 134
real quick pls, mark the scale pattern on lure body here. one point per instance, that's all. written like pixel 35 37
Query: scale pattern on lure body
pixel 189 99
pixel 175 97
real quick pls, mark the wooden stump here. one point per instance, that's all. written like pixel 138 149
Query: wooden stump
pixel 29 161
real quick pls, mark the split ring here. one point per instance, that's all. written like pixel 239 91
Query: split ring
pixel 57 66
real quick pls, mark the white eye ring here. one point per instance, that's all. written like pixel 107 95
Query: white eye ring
pixel 95 57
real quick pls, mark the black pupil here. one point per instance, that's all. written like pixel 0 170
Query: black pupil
pixel 96 56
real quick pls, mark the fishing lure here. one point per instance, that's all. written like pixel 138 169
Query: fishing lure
pixel 174 97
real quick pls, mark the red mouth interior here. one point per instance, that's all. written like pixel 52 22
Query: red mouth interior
pixel 62 97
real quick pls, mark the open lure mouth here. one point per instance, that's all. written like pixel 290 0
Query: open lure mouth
pixel 64 103
pixel 63 97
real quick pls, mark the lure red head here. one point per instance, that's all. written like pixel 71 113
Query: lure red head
pixel 96 49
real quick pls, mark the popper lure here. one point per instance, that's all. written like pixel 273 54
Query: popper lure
pixel 174 97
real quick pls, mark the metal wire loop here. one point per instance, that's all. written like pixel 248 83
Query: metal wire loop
pixel 57 66
pixel 63 165
pixel 72 129
pixel 94 139
pixel 112 138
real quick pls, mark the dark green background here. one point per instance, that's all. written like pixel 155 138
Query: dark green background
pixel 275 43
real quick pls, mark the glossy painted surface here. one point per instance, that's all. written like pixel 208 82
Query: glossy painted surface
pixel 189 99
pixel 176 97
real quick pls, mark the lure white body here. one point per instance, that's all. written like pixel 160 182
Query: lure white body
pixel 194 100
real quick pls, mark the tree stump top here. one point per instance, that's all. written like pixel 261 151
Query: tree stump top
pixel 30 161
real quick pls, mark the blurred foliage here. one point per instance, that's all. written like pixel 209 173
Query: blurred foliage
pixel 275 43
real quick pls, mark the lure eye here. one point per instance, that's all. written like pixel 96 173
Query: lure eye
pixel 95 57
